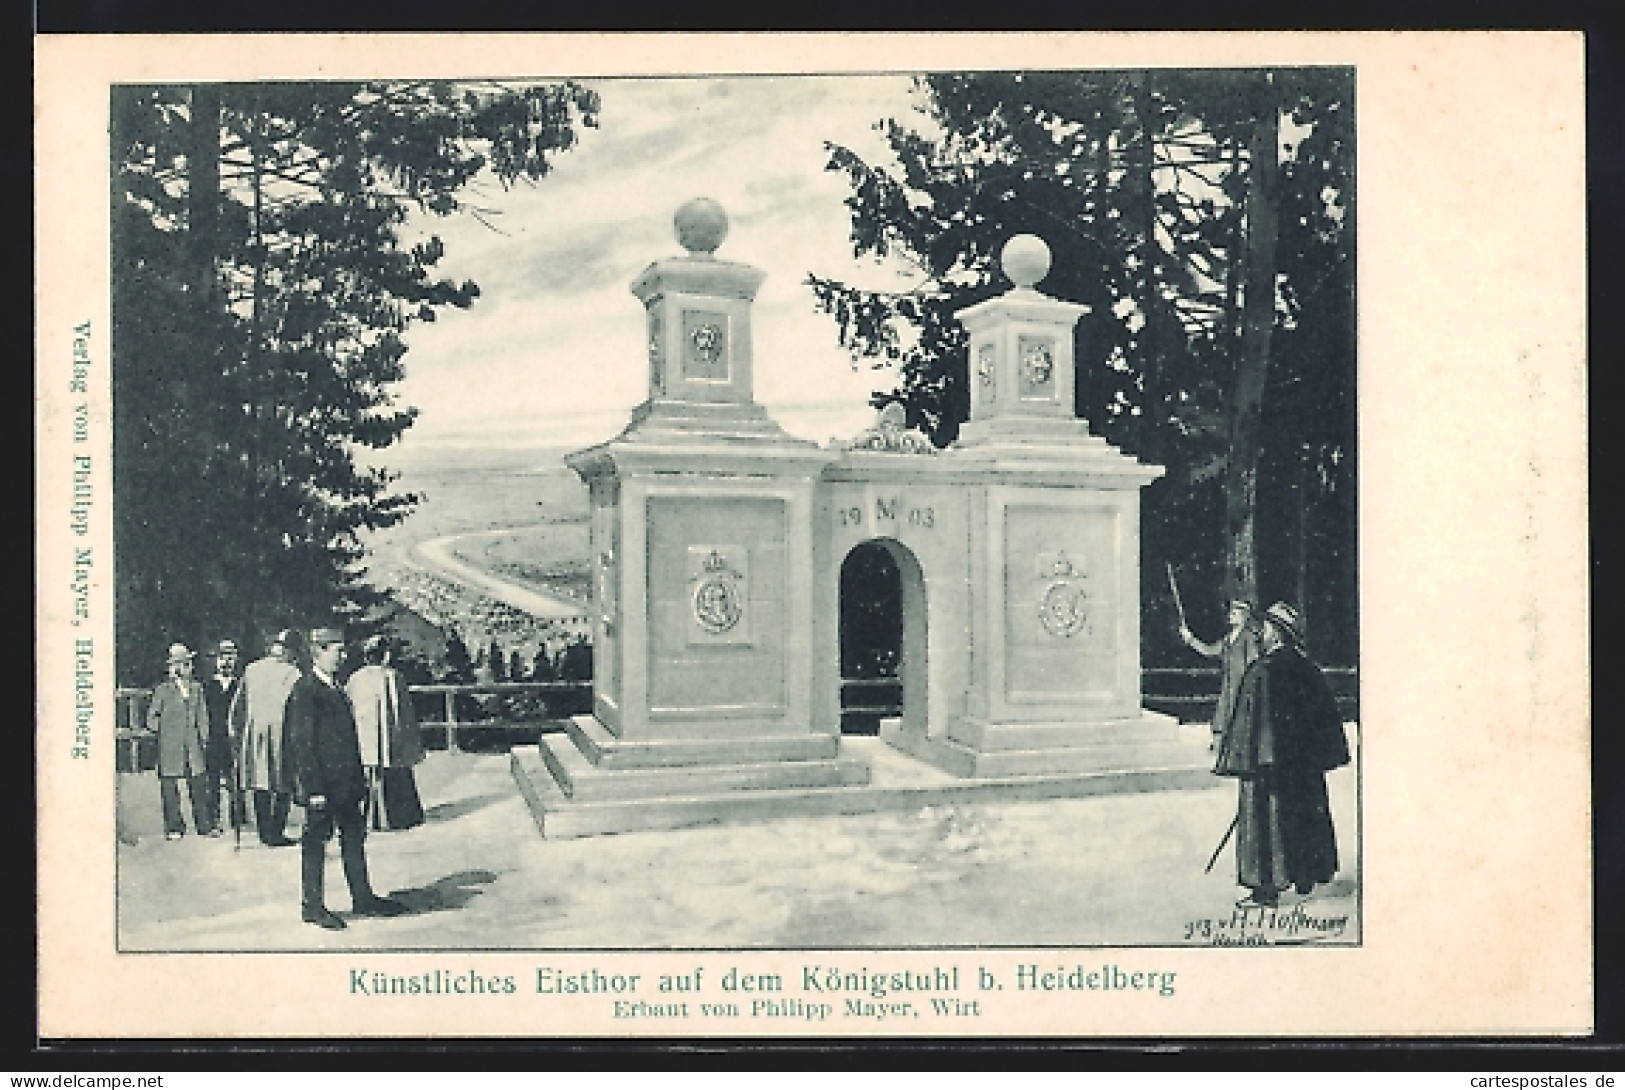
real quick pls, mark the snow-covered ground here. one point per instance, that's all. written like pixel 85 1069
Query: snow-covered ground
pixel 1111 870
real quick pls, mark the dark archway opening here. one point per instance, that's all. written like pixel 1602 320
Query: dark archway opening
pixel 871 634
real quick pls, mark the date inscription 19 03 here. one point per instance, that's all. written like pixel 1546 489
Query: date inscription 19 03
pixel 891 512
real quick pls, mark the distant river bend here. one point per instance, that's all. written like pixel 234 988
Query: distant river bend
pixel 437 555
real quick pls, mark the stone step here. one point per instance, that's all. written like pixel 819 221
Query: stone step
pixel 1145 728
pixel 1106 758
pixel 582 781
pixel 559 817
pixel 1187 750
pixel 607 751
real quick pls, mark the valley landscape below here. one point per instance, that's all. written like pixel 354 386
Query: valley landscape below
pixel 497 548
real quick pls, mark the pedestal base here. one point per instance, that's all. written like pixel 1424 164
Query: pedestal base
pixel 587 780
pixel 570 795
pixel 1149 741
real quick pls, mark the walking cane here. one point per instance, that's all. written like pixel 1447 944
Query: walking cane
pixel 1173 586
pixel 237 814
pixel 1214 858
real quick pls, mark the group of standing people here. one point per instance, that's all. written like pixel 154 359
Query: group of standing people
pixel 1277 730
pixel 285 732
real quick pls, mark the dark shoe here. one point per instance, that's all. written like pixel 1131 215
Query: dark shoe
pixel 322 918
pixel 278 842
pixel 1259 898
pixel 1305 888
pixel 379 906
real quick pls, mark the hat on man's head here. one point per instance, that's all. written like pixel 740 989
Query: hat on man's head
pixel 226 647
pixel 1287 619
pixel 178 652
pixel 324 637
pixel 289 644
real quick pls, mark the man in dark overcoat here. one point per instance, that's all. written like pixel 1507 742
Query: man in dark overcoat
pixel 218 689
pixel 324 754
pixel 1284 736
pixel 179 715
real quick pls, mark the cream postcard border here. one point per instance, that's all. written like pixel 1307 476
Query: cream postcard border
pixel 1473 541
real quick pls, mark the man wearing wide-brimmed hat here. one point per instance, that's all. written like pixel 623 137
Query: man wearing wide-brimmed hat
pixel 324 755
pixel 258 712
pixel 180 716
pixel 1285 735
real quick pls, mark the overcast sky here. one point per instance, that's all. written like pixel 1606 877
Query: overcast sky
pixel 553 350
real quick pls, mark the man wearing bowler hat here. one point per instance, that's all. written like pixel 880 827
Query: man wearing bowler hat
pixel 329 781
pixel 1284 736
pixel 179 715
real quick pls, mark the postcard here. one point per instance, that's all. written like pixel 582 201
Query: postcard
pixel 1073 535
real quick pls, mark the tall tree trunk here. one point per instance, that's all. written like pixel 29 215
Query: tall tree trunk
pixel 1142 184
pixel 255 379
pixel 197 390
pixel 203 192
pixel 1233 270
pixel 1301 556
pixel 1257 327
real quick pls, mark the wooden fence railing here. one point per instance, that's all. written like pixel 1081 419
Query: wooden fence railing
pixel 503 708
pixel 1189 693
pixel 1186 692
pixel 559 699
pixel 506 707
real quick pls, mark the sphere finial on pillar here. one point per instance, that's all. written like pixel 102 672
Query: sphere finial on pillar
pixel 1025 259
pixel 701 226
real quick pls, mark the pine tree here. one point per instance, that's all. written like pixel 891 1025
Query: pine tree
pixel 459 664
pixel 1205 277
pixel 261 283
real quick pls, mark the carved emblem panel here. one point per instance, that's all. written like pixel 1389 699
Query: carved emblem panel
pixel 719 595
pixel 657 355
pixel 705 346
pixel 1037 358
pixel 987 372
pixel 1062 600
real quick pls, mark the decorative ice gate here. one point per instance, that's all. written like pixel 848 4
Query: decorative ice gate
pixel 718 541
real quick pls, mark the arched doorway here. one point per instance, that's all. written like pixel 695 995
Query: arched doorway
pixel 882 637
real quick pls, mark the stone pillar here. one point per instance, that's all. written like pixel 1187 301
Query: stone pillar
pixel 703 556
pixel 698 317
pixel 1021 366
pixel 1053 557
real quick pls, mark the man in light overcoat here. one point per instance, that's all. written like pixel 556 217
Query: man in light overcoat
pixel 179 714
pixel 390 740
pixel 258 713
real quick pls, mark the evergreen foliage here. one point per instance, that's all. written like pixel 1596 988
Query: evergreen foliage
pixel 1220 342
pixel 262 279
